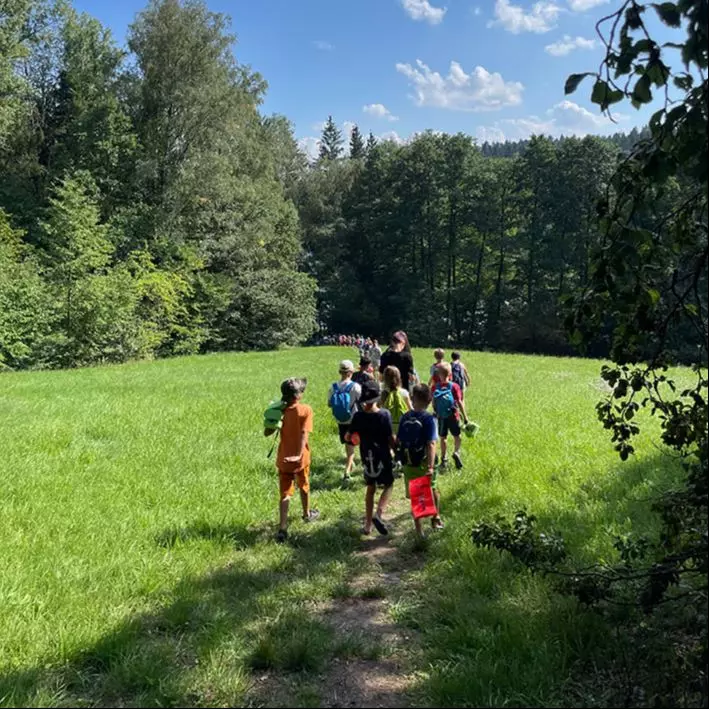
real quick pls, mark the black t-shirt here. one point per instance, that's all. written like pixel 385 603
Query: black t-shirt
pixel 375 431
pixel 361 377
pixel 403 361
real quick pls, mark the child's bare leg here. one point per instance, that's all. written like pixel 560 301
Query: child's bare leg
pixel 384 500
pixel 369 507
pixel 305 501
pixel 419 528
pixel 350 458
pixel 444 447
pixel 285 503
pixel 457 442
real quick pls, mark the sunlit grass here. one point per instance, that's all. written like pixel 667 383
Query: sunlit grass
pixel 137 562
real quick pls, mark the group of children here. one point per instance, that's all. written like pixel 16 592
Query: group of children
pixel 391 425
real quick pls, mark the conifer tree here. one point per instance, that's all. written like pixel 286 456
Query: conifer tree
pixel 330 141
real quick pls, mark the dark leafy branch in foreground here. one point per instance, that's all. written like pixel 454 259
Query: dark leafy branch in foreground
pixel 648 288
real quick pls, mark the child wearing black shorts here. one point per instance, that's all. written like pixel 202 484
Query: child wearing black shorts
pixel 372 428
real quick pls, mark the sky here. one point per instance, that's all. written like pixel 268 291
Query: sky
pixel 494 69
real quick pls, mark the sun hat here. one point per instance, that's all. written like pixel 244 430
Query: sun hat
pixel 371 391
pixel 346 365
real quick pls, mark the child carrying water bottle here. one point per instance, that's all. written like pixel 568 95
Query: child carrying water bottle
pixel 448 405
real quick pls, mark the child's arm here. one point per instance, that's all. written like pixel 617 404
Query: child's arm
pixel 466 376
pixel 303 446
pixel 461 406
pixel 431 456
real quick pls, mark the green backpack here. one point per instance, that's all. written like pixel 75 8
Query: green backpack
pixel 396 405
pixel 273 415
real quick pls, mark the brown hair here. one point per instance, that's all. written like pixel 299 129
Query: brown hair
pixel 392 378
pixel 401 336
pixel 422 394
pixel 439 354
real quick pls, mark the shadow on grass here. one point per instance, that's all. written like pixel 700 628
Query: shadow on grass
pixel 496 635
pixel 200 646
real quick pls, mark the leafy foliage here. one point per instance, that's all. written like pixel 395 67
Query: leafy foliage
pixel 647 287
pixel 151 196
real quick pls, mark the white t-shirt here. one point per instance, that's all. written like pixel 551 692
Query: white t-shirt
pixel 355 394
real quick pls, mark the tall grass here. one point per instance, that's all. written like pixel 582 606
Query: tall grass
pixel 137 562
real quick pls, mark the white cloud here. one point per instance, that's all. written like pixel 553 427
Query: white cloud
pixel 391 135
pixel 310 146
pixel 323 46
pixel 379 110
pixel 565 118
pixel 565 46
pixel 583 5
pixel 541 18
pixel 478 91
pixel 423 10
pixel 477 11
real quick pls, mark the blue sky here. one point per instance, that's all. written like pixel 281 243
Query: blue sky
pixel 491 68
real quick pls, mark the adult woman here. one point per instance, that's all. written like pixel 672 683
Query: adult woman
pixel 399 355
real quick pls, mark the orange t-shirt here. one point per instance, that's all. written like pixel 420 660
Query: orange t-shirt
pixel 296 419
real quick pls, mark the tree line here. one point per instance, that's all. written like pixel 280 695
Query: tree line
pixel 143 207
pixel 148 208
pixel 456 246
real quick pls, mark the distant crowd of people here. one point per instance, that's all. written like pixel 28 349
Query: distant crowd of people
pixel 382 407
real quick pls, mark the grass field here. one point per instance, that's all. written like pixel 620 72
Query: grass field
pixel 137 561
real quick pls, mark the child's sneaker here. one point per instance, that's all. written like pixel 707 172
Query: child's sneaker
pixel 458 462
pixel 444 463
pixel 437 523
pixel 380 526
pixel 311 516
pixel 282 536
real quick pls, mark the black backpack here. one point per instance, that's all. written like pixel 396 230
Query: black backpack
pixel 412 440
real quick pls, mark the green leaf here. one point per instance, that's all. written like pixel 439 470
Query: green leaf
pixel 644 45
pixel 653 296
pixel 684 82
pixel 658 73
pixel 574 80
pixel 641 92
pixel 668 13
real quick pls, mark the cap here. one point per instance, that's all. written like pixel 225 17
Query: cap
pixel 370 392
pixel 346 366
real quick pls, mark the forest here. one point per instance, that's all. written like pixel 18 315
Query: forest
pixel 149 208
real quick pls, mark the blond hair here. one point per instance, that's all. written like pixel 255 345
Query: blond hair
pixel 444 370
pixel 439 354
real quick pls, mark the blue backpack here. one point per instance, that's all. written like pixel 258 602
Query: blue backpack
pixel 341 402
pixel 443 402
pixel 412 440
pixel 458 376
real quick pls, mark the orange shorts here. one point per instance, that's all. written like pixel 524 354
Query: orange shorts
pixel 287 482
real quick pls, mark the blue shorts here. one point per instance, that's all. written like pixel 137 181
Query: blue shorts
pixel 450 425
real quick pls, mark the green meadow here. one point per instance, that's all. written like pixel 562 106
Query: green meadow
pixel 137 556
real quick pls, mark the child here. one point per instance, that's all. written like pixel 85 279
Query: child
pixel 448 405
pixel 459 373
pixel 293 459
pixel 343 399
pixel 439 356
pixel 375 354
pixel 372 427
pixel 395 399
pixel 417 448
pixel 365 371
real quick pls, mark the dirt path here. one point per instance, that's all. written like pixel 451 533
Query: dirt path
pixel 375 658
pixel 384 680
